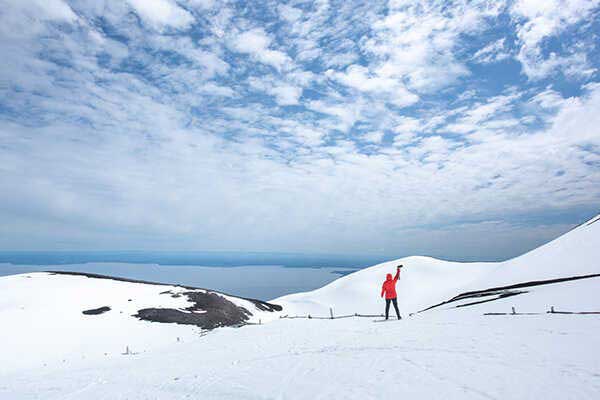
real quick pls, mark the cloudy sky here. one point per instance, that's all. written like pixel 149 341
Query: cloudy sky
pixel 457 129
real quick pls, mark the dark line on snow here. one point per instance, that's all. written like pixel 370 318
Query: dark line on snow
pixel 490 291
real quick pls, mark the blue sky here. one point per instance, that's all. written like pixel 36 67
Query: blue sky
pixel 457 129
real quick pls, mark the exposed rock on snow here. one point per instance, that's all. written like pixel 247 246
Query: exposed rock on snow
pixel 209 309
pixel 97 316
pixel 96 311
pixel 503 292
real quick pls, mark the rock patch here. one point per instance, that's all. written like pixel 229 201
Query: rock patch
pixel 96 311
pixel 209 311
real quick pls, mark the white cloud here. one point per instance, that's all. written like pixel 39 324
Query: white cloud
pixel 289 13
pixel 340 60
pixel 346 114
pixel 304 134
pixel 285 94
pixel 541 19
pixel 373 137
pixel 407 125
pixel 217 90
pixel 208 60
pixel 256 42
pixel 162 13
pixel 493 52
pixel 416 43
pixel 211 62
pixel 548 99
pixel 405 139
pixel 169 145
pixel 478 114
pixel 202 4
pixel 52 9
pixel 358 77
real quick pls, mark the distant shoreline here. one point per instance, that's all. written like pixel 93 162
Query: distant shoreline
pixel 205 259
pixel 249 281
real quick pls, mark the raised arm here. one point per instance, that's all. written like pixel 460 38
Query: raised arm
pixel 397 273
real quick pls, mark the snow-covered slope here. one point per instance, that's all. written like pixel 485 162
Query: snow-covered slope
pixel 426 281
pixel 43 316
pixel 50 350
pixel 451 356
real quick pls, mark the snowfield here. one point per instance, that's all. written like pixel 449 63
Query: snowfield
pixel 458 349
pixel 43 321
pixel 427 281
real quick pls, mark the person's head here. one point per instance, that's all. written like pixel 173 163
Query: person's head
pixel 388 277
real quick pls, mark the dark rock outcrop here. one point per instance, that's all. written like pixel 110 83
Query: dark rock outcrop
pixel 210 309
pixel 96 311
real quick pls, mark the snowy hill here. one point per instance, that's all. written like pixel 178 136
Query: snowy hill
pixel 51 349
pixel 58 315
pixel 426 282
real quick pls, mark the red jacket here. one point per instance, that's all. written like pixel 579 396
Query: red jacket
pixel 389 286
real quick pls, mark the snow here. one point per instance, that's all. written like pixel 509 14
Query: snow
pixel 427 281
pixel 49 350
pixel 42 320
pixel 438 356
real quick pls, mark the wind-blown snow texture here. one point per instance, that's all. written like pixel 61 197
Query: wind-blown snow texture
pixel 50 350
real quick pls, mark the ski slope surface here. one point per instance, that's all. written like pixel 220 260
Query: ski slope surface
pixel 459 338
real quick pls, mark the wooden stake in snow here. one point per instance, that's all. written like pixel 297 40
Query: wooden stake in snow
pixel 331 312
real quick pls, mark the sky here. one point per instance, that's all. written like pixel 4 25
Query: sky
pixel 463 130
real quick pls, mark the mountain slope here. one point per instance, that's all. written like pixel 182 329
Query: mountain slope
pixel 426 281
pixel 50 350
pixel 47 316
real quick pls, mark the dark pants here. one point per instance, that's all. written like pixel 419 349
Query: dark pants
pixel 387 307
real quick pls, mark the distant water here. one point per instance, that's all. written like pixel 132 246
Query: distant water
pixel 205 258
pixel 264 282
pixel 263 276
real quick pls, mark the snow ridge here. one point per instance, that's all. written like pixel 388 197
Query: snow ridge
pixel 427 283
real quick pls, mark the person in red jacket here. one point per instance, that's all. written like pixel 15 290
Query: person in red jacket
pixel 389 289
